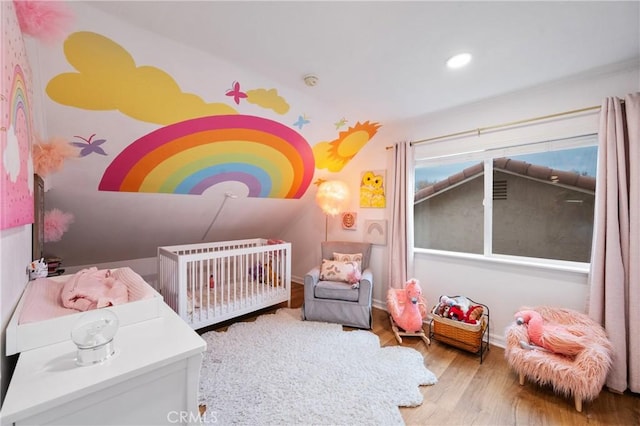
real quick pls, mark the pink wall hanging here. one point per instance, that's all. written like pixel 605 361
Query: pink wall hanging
pixel 16 167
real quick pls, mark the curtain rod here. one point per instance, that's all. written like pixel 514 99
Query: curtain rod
pixel 509 124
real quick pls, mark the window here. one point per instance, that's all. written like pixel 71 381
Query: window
pixel 540 201
pixel 448 200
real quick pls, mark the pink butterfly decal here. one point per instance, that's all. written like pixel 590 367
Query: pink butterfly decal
pixel 236 93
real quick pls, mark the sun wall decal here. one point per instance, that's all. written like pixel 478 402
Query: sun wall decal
pixel 334 155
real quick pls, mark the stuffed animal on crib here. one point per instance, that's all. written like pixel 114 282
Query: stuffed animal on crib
pixel 264 273
pixel 552 337
pixel 403 306
pixel 256 271
pixel 270 274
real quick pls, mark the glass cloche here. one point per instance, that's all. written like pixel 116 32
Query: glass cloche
pixel 93 335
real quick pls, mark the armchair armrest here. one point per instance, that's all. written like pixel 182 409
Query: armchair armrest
pixel 310 280
pixel 366 287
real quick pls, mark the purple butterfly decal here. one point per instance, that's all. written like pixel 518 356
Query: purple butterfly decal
pixel 236 93
pixel 89 146
pixel 302 120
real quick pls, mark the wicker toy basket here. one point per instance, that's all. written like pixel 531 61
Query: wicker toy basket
pixel 459 334
pixel 473 338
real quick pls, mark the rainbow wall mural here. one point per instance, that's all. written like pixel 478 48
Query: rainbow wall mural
pixel 188 157
pixel 191 154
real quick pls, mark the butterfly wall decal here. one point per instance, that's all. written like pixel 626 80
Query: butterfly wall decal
pixel 89 146
pixel 340 123
pixel 302 120
pixel 236 93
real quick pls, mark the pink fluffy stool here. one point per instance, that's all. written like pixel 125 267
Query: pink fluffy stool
pixel 581 376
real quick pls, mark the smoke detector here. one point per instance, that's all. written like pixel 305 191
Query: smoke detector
pixel 310 80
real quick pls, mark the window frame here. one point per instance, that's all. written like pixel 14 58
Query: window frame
pixel 487 156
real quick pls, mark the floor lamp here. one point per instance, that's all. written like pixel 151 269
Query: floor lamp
pixel 227 195
pixel 333 198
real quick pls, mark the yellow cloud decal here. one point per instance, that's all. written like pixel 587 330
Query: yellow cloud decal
pixel 108 79
pixel 268 99
pixel 334 155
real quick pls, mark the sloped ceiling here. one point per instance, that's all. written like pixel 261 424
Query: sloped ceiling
pixel 388 57
pixel 383 61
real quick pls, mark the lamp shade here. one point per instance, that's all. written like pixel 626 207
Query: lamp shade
pixel 333 197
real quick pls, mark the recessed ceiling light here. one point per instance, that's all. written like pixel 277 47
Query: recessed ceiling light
pixel 459 61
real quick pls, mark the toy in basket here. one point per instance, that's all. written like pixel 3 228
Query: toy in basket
pixel 407 310
pixel 461 322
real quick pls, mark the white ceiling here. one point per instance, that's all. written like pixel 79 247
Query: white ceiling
pixel 386 60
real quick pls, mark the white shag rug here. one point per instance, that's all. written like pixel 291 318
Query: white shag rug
pixel 280 370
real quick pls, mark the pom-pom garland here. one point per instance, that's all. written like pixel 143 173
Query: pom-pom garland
pixel 56 223
pixel 48 21
pixel 49 157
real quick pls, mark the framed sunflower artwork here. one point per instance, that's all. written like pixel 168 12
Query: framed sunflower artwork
pixel 372 189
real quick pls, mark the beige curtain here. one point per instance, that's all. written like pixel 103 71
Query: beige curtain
pixel 614 298
pixel 398 238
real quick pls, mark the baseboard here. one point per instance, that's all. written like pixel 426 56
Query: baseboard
pixel 379 304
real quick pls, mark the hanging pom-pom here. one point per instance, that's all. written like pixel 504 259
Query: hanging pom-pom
pixel 56 223
pixel 49 156
pixel 48 21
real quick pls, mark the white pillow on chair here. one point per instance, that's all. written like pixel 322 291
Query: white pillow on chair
pixel 349 257
pixel 335 270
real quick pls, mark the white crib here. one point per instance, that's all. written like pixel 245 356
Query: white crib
pixel 213 282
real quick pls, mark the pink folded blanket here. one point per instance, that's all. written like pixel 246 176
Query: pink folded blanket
pixel 92 288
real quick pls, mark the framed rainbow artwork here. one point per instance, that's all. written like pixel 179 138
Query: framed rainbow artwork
pixel 16 165
pixel 188 157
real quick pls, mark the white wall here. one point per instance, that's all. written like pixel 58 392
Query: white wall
pixel 503 287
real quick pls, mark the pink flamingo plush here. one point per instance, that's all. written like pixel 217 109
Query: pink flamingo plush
pixel 555 338
pixel 404 307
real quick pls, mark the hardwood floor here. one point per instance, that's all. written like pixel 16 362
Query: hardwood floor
pixel 470 393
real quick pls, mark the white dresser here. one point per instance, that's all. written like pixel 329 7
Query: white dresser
pixel 152 379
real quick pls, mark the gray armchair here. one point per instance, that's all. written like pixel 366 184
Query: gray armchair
pixel 339 302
